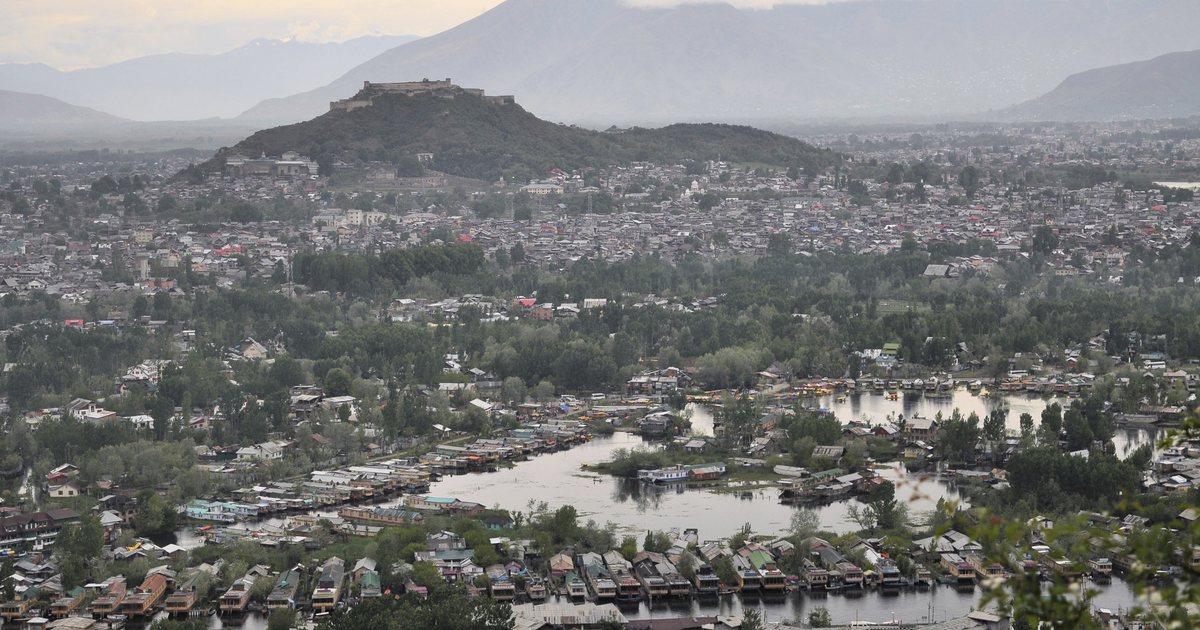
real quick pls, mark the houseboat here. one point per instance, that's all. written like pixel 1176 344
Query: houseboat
pixel 815 578
pixel 500 587
pixel 576 589
pixel 178 604
pixel 535 588
pixel 1063 567
pixel 924 578
pixel 141 602
pixel 707 582
pixel 655 584
pixel 67 604
pixel 628 587
pixel 771 578
pixel 329 585
pixel 749 579
pixel 985 570
pixel 598 576
pixel 959 570
pixel 109 601
pixel 15 609
pixel 671 474
pixel 235 600
pixel 890 578
pixel 1101 570
pixel 284 593
pixel 852 576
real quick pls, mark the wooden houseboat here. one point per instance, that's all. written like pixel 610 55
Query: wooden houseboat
pixel 284 593
pixel 707 582
pixel 576 589
pixel 958 568
pixel 235 600
pixel 141 602
pixel 329 585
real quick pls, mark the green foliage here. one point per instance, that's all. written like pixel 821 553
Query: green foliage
pixel 338 382
pixel 364 275
pixel 179 624
pixel 656 541
pixel 1046 477
pixel 281 619
pixel 958 436
pixel 75 547
pixel 155 515
pixel 819 617
pixel 446 609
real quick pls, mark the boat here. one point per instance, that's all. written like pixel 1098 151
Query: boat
pixel 975 386
pixel 672 474
pixel 535 588
pixel 924 577
pixel 790 471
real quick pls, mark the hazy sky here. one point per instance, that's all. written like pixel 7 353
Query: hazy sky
pixel 71 34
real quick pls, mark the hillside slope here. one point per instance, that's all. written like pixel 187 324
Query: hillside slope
pixel 605 61
pixel 189 87
pixel 30 112
pixel 1164 87
pixel 474 137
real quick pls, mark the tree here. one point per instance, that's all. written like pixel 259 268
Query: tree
pixel 958 436
pixel 1079 432
pixel 656 541
pixel 286 372
pixel 629 547
pixel 245 212
pixel 1052 423
pixel 805 524
pixel 338 382
pixel 1045 240
pixel 75 546
pixel 723 568
pixel 969 178
pixel 751 619
pixel 281 619
pixel 1026 425
pixel 162 412
pixel 886 511
pixel 819 617
pixel 686 564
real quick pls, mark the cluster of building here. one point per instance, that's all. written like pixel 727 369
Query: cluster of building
pixel 1098 224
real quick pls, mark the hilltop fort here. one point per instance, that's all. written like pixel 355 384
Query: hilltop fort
pixel 444 89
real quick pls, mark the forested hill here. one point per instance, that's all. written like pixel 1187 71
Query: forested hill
pixel 473 137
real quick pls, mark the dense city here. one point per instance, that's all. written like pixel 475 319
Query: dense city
pixel 949 377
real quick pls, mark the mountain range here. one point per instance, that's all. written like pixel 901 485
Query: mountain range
pixel 603 61
pixel 1164 87
pixel 180 86
pixel 27 112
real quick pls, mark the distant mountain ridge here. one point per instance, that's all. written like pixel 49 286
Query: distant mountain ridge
pixel 474 136
pixel 190 87
pixel 28 112
pixel 1164 87
pixel 603 61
